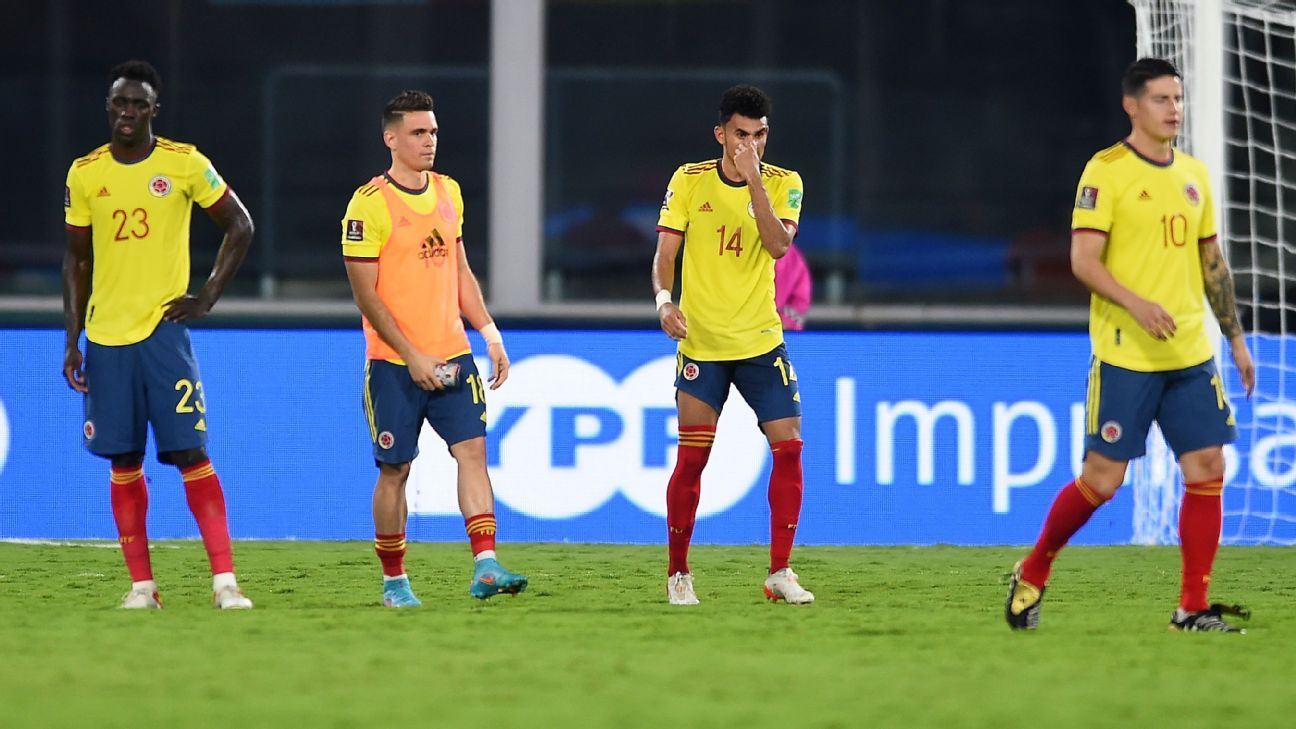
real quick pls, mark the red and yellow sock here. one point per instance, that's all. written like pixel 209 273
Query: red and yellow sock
pixel 684 491
pixel 207 502
pixel 785 491
pixel 481 532
pixel 1071 509
pixel 1201 516
pixel 130 511
pixel 390 549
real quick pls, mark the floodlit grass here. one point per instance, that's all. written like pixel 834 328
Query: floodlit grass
pixel 899 637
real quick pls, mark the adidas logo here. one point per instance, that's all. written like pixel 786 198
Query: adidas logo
pixel 706 207
pixel 1144 195
pixel 103 192
pixel 404 222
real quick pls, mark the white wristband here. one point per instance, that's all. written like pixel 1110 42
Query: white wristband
pixel 663 298
pixel 491 334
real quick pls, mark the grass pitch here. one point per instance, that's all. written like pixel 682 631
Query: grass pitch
pixel 899 637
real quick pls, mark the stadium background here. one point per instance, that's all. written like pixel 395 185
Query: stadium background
pixel 940 142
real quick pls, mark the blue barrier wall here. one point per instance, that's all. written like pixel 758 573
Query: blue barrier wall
pixel 910 438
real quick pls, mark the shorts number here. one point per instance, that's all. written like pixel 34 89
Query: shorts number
pixel 192 391
pixel 478 389
pixel 1219 391
pixel 785 369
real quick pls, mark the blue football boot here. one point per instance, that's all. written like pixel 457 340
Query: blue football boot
pixel 397 594
pixel 490 578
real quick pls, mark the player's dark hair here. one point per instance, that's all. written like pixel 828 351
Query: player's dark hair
pixel 1143 70
pixel 403 102
pixel 744 100
pixel 142 71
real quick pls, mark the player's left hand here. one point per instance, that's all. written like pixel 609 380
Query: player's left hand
pixel 747 162
pixel 187 307
pixel 500 361
pixel 1245 367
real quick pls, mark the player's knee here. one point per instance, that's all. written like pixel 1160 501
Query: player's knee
pixel 127 460
pixel 470 452
pixel 184 459
pixel 1103 475
pixel 393 472
pixel 1203 465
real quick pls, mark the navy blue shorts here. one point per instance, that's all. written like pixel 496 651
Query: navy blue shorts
pixel 152 382
pixel 396 408
pixel 767 382
pixel 1188 404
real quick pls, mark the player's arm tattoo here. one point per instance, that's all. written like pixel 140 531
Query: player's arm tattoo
pixel 1219 288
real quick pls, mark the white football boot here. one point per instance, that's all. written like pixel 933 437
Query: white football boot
pixel 142 598
pixel 226 594
pixel 679 588
pixel 783 585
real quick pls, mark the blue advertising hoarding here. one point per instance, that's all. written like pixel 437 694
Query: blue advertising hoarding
pixel 911 438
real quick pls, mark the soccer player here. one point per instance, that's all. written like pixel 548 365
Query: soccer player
pixel 409 273
pixel 1144 241
pixel 125 276
pixel 737 214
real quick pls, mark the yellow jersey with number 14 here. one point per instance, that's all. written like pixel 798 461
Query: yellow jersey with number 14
pixel 1155 216
pixel 139 216
pixel 727 279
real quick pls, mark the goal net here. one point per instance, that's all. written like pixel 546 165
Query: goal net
pixel 1238 60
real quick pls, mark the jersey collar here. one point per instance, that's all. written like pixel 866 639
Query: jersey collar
pixel 1149 160
pixel 426 181
pixel 726 180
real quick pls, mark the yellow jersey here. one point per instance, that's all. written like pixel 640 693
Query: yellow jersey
pixel 413 236
pixel 727 277
pixel 1155 215
pixel 139 217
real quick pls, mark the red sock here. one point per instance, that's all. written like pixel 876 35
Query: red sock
pixel 390 549
pixel 481 532
pixel 1200 519
pixel 1074 504
pixel 130 508
pixel 207 502
pixel 684 490
pixel 785 490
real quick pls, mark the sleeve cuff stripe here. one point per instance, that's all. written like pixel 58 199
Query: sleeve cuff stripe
pixel 1208 239
pixel 365 259
pixel 219 200
pixel 664 229
pixel 73 227
pixel 1089 230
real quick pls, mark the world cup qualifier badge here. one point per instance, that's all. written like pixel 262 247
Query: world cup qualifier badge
pixel 1191 192
pixel 160 186
pixel 1088 198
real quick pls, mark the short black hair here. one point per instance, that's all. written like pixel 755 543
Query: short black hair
pixel 745 100
pixel 408 100
pixel 137 71
pixel 1143 70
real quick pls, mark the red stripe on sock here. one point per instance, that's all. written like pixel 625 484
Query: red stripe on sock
pixel 683 492
pixel 785 492
pixel 1200 520
pixel 1071 508
pixel 207 502
pixel 129 499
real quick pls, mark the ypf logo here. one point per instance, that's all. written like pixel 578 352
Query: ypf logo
pixel 566 437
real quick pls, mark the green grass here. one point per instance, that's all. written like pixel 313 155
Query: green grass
pixel 899 637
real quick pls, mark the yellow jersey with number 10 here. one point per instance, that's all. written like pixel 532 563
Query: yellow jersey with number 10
pixel 1155 216
pixel 727 279
pixel 139 214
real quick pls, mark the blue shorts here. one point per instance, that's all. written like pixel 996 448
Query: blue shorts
pixel 1188 404
pixel 152 382
pixel 396 408
pixel 767 382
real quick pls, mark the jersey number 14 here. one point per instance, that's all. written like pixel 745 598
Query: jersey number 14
pixel 735 241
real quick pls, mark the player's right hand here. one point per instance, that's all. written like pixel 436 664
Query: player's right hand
pixel 673 322
pixel 73 370
pixel 1154 319
pixel 422 369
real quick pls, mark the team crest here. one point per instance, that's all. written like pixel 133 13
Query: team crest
pixel 691 371
pixel 1111 431
pixel 1190 192
pixel 386 440
pixel 1088 198
pixel 751 210
pixel 88 430
pixel 160 186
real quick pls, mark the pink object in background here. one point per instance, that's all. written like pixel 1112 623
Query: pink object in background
pixel 792 289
